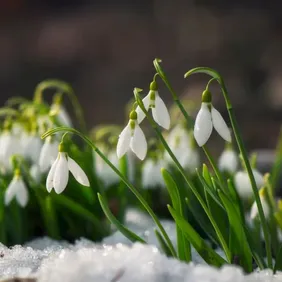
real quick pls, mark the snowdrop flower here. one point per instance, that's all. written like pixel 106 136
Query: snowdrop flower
pixel 31 144
pixel 207 118
pixel 104 172
pixel 9 145
pixel 58 176
pixel 132 137
pixel 48 154
pixel 17 189
pixel 181 143
pixel 151 173
pixel 228 160
pixel 159 110
pixel 254 209
pixel 243 183
pixel 35 173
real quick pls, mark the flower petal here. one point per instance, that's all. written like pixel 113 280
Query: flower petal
pixel 44 161
pixel 220 125
pixel 21 193
pixel 203 125
pixel 77 172
pixel 123 141
pixel 50 177
pixel 160 113
pixel 138 143
pixel 140 113
pixel 61 175
pixel 228 161
pixel 11 191
pixel 243 185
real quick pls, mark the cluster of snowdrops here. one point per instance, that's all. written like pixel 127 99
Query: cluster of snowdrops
pixel 39 151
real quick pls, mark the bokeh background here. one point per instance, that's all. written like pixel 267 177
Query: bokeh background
pixel 105 48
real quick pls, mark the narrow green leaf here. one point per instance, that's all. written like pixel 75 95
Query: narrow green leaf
pixel 206 175
pixel 238 243
pixel 206 252
pixel 183 246
pixel 162 243
pixel 278 262
pixel 210 190
pixel 278 217
pixel 125 231
pixel 51 218
pixel 79 210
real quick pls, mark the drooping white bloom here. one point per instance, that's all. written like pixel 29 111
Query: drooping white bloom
pixel 207 118
pixel 151 173
pixel 59 173
pixel 104 172
pixel 35 173
pixel 48 154
pixel 254 209
pixel 243 183
pixel 181 144
pixel 159 110
pixel 9 145
pixel 31 144
pixel 228 161
pixel 17 189
pixel 132 137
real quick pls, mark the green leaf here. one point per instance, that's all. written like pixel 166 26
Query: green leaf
pixel 76 208
pixel 183 246
pixel 278 262
pixel 206 252
pixel 50 218
pixel 125 231
pixel 210 190
pixel 238 242
pixel 278 217
pixel 206 175
pixel 162 243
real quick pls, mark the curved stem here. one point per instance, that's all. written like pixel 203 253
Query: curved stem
pixel 242 150
pixel 188 118
pixel 182 171
pixel 65 88
pixel 122 177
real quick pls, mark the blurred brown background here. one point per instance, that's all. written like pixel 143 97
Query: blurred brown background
pixel 106 48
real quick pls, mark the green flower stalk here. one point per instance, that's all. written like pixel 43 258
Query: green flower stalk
pixel 242 150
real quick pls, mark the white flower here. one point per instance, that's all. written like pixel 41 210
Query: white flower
pixel 18 190
pixel 159 110
pixel 132 137
pixel 104 172
pixel 31 144
pixel 243 183
pixel 35 173
pixel 151 173
pixel 254 209
pixel 48 154
pixel 59 173
pixel 207 118
pixel 228 161
pixel 9 145
pixel 181 144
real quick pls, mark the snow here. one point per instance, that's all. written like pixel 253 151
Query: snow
pixel 47 260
